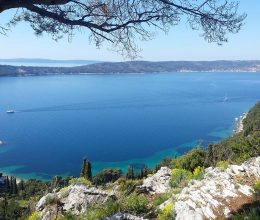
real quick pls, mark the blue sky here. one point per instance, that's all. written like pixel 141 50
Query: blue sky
pixel 180 43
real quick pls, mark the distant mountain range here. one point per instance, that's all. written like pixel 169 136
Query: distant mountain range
pixel 135 67
pixel 39 61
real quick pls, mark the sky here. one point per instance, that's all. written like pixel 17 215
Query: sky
pixel 181 43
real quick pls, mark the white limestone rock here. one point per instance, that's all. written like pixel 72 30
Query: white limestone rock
pixel 157 183
pixel 212 197
pixel 75 199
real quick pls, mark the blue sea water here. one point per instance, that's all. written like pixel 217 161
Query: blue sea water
pixel 115 120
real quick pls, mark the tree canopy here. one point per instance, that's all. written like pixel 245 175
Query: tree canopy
pixel 122 22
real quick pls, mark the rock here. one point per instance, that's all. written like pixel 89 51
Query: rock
pixel 157 183
pixel 42 202
pixel 218 193
pixel 124 216
pixel 75 199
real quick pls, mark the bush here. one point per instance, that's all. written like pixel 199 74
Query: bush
pixel 160 199
pixel 252 123
pixel 100 211
pixel 34 216
pixel 50 199
pixel 166 213
pixel 180 177
pixel 64 192
pixel 256 188
pixel 190 160
pixel 80 180
pixel 106 176
pixel 223 165
pixel 249 214
pixel 134 203
pixel 198 173
pixel 128 186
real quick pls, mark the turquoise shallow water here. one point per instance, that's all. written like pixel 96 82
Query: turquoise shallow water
pixel 115 120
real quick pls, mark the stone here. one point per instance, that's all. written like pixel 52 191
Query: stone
pixel 157 183
pixel 213 196
pixel 75 199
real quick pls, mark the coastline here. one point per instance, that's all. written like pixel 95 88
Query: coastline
pixel 239 123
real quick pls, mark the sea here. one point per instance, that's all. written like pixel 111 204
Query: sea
pixel 115 120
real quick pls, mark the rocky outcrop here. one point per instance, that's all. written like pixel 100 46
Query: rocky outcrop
pixel 157 183
pixel 75 199
pixel 219 193
pixel 124 216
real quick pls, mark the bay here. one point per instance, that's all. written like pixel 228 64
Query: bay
pixel 115 120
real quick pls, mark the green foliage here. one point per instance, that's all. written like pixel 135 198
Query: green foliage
pixel 80 180
pixel 198 173
pixel 223 165
pixel 180 177
pixel 106 176
pixel 160 199
pixel 10 209
pixel 134 203
pixel 235 149
pixel 100 211
pixel 249 214
pixel 256 188
pixel 166 213
pixel 64 192
pixel 34 187
pixel 190 160
pixel 166 162
pixel 130 173
pixel 128 186
pixel 50 199
pixel 252 121
pixel 34 216
pixel 68 216
pixel 86 170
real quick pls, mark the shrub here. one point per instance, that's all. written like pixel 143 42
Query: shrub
pixel 107 175
pixel 34 216
pixel 180 177
pixel 64 192
pixel 128 186
pixel 256 188
pixel 50 199
pixel 166 213
pixel 135 203
pixel 160 199
pixel 223 165
pixel 198 173
pixel 100 211
pixel 80 180
pixel 190 160
pixel 249 214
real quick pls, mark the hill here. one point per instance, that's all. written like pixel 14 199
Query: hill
pixel 135 67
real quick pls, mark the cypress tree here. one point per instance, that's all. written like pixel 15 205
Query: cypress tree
pixel 21 185
pixel 86 170
pixel 89 171
pixel 145 171
pixel 11 185
pixel 8 186
pixel 130 172
pixel 83 168
pixel 14 185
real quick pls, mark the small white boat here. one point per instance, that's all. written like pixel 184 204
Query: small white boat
pixel 10 111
